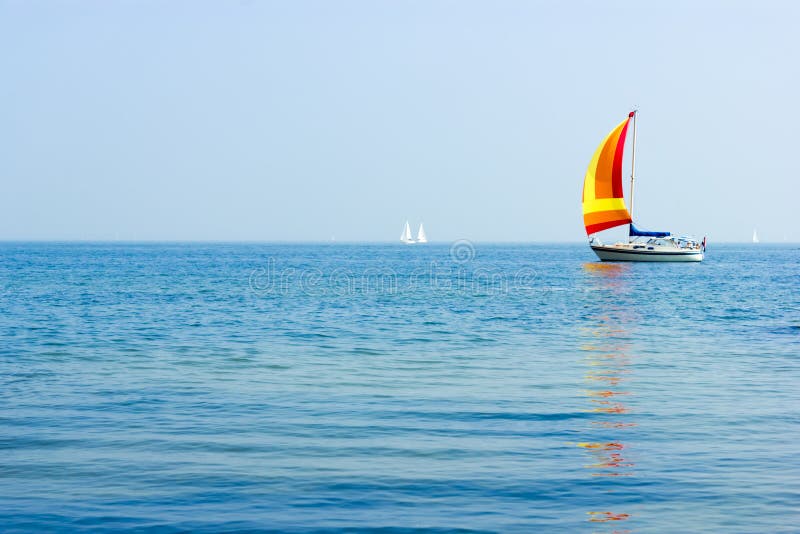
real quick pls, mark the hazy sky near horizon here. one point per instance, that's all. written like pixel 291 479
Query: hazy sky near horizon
pixel 301 120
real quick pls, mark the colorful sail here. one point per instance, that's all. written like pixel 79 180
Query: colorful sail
pixel 603 202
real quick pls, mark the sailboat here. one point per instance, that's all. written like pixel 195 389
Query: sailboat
pixel 421 237
pixel 405 237
pixel 604 208
pixel 755 236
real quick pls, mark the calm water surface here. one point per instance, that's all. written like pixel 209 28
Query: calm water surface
pixel 349 388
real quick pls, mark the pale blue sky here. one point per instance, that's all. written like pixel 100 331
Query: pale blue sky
pixel 300 120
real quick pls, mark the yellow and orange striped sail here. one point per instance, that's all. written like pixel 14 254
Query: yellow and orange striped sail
pixel 603 202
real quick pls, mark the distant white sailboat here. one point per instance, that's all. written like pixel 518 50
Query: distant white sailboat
pixel 421 237
pixel 755 236
pixel 405 237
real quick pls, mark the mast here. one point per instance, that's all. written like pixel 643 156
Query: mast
pixel 633 158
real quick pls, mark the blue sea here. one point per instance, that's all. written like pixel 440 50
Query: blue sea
pixel 459 387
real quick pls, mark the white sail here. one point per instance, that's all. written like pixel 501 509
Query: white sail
pixel 755 236
pixel 405 237
pixel 421 237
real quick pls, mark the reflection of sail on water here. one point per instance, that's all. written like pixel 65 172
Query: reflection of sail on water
pixel 606 344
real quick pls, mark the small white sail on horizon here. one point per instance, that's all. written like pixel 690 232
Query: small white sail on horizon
pixel 421 237
pixel 405 237
pixel 755 236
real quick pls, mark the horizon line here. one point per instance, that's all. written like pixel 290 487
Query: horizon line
pixel 329 242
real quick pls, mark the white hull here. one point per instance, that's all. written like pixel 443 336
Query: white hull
pixel 628 253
